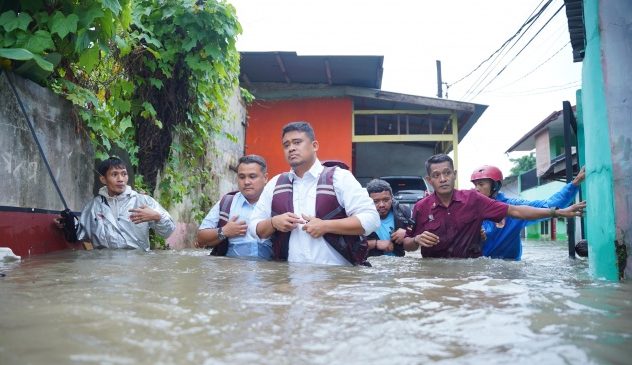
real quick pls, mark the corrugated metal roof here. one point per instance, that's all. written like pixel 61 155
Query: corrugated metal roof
pixel 288 67
pixel 576 29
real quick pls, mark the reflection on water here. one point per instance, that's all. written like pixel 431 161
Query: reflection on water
pixel 178 307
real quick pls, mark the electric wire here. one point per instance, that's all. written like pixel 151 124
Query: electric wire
pixel 543 90
pixel 517 54
pixel 529 20
pixel 534 69
pixel 488 71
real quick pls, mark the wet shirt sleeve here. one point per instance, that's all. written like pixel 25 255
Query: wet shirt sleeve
pixel 356 200
pixel 86 223
pixel 165 226
pixel 417 217
pixel 212 218
pixel 491 209
pixel 263 208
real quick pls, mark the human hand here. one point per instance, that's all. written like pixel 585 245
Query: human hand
pixel 59 222
pixel 143 214
pixel 426 239
pixel 581 175
pixel 315 227
pixel 286 222
pixel 575 210
pixel 398 236
pixel 234 228
pixel 483 235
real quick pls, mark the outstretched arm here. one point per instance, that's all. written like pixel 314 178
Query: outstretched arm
pixel 530 213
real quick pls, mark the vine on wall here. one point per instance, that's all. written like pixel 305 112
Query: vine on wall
pixel 139 72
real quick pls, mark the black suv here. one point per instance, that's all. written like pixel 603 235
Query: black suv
pixel 406 189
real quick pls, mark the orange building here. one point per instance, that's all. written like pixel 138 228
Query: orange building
pixel 375 132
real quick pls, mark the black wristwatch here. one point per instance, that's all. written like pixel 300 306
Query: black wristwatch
pixel 220 234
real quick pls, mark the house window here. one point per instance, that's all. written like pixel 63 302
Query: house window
pixel 544 228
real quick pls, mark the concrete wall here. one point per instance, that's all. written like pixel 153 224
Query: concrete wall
pixel 542 152
pixel 221 159
pixel 616 47
pixel 25 180
pixel 600 215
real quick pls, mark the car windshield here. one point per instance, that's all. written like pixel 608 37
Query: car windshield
pixel 401 183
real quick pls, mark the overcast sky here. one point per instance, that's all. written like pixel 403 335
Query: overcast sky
pixel 413 34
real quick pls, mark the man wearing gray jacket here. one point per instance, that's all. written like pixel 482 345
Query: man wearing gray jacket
pixel 119 217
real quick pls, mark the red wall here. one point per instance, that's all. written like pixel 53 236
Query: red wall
pixel 330 118
pixel 31 233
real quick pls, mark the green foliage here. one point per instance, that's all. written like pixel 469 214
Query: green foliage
pixel 184 62
pixel 522 164
pixel 156 241
pixel 150 77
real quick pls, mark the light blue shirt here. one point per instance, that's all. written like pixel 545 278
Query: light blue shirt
pixel 387 227
pixel 240 246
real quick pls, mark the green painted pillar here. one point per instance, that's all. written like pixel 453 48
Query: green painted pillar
pixel 600 216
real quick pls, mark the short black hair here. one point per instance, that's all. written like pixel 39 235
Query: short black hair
pixel 300 126
pixel 254 159
pixel 111 162
pixel 439 158
pixel 378 186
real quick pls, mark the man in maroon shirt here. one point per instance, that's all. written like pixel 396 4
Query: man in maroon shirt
pixel 448 222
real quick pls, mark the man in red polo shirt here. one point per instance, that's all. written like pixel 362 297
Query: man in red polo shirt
pixel 448 222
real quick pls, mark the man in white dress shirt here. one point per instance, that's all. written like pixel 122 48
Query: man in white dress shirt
pixel 306 231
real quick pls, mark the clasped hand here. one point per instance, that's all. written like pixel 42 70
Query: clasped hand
pixel 313 226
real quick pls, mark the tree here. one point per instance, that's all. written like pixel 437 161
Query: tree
pixel 522 164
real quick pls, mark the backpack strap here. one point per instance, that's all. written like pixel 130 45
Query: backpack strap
pixel 353 248
pixel 224 215
pixel 282 202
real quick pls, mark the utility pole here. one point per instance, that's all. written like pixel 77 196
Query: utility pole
pixel 439 81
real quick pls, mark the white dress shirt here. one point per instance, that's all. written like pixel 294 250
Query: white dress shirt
pixel 302 246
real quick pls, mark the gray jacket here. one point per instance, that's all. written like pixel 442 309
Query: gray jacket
pixel 105 221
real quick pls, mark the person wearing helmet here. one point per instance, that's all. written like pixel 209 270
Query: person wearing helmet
pixel 448 222
pixel 503 239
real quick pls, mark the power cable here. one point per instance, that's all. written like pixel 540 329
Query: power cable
pixel 529 20
pixel 517 54
pixel 482 77
pixel 544 90
pixel 534 69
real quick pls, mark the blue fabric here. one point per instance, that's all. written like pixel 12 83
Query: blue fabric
pixel 504 242
pixel 387 227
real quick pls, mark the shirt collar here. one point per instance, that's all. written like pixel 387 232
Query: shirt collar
pixel 314 171
pixel 457 196
pixel 241 199
pixel 103 191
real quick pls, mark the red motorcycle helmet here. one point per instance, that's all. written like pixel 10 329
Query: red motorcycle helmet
pixel 487 172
